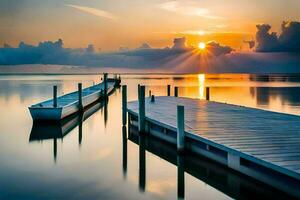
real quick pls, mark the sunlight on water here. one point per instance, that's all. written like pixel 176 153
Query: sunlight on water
pixel 201 79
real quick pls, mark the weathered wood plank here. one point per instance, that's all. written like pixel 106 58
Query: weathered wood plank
pixel 268 137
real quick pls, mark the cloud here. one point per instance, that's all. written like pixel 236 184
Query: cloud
pixel 287 41
pixel 144 46
pixel 49 52
pixel 187 8
pixel 94 11
pixel 179 43
pixel 220 59
pixel 217 49
pixel 251 43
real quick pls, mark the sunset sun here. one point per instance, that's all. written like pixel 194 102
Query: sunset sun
pixel 201 45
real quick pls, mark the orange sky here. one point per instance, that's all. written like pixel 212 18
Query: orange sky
pixel 110 24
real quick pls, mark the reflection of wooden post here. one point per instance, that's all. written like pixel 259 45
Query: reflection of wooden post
pixel 176 91
pixel 141 94
pixel 80 96
pixel 207 94
pixel 124 105
pixel 80 128
pixel 55 149
pixel 54 96
pixel 169 90
pixel 142 163
pixel 105 111
pixel 180 129
pixel 180 177
pixel 124 151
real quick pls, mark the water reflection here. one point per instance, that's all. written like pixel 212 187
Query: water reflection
pixel 142 163
pixel 201 78
pixel 180 176
pixel 233 184
pixel 92 164
pixel 53 130
pixel 124 149
pixel 267 95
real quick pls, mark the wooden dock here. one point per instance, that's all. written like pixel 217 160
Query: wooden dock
pixel 262 144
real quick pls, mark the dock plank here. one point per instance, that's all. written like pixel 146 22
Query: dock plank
pixel 267 137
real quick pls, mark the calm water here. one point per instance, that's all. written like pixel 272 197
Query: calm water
pixel 94 160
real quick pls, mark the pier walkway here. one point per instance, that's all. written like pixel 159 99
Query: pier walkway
pixel 262 144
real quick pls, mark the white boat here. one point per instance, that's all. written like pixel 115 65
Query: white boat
pixel 44 130
pixel 69 103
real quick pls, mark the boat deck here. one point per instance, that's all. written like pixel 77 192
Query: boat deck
pixel 266 138
pixel 72 97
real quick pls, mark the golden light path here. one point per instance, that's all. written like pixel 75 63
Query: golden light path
pixel 201 82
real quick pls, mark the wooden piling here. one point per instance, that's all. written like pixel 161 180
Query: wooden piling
pixel 124 105
pixel 80 105
pixel 105 83
pixel 207 94
pixel 169 90
pixel 152 98
pixel 141 96
pixel 176 91
pixel 180 129
pixel 54 96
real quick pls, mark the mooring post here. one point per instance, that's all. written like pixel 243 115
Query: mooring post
pixel 169 90
pixel 152 99
pixel 124 105
pixel 55 96
pixel 150 93
pixel 141 94
pixel 176 91
pixel 80 105
pixel 105 83
pixel 180 129
pixel 207 94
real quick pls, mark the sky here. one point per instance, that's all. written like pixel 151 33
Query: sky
pixel 111 24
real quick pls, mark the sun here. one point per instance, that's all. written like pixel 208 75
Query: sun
pixel 201 45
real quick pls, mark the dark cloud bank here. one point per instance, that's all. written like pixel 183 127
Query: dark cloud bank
pixel 281 54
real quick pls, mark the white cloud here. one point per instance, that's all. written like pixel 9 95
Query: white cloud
pixel 187 8
pixel 94 11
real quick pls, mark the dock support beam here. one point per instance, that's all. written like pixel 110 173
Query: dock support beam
pixel 124 105
pixel 141 97
pixel 207 94
pixel 176 91
pixel 54 96
pixel 80 105
pixel 169 90
pixel 180 129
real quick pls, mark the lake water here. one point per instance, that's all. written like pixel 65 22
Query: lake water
pixel 95 160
